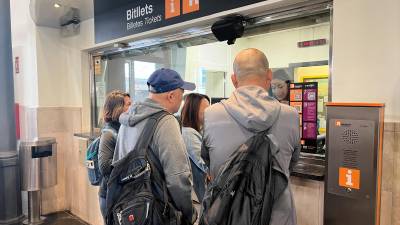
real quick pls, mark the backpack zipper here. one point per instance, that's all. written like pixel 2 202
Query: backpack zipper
pixel 131 176
pixel 147 209
pixel 119 215
pixel 144 171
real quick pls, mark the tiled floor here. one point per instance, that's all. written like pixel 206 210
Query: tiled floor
pixel 63 218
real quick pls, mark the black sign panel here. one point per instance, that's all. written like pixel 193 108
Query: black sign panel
pixel 119 18
pixel 304 97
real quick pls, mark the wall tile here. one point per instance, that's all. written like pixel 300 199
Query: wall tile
pixel 397 126
pixel 396 182
pixel 28 123
pixel 59 119
pixel 386 208
pixel 308 201
pixel 51 120
pixel 396 210
pixel 81 196
pixel 390 126
pixel 61 123
pixel 388 161
pixel 74 119
pixel 54 199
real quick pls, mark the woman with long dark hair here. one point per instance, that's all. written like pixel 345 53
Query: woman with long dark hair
pixel 115 104
pixel 192 119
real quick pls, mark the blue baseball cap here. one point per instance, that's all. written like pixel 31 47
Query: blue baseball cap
pixel 164 80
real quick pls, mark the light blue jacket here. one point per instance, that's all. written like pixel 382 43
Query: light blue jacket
pixel 193 140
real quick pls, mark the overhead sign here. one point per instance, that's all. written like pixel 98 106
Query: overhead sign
pixel 119 18
pixel 311 43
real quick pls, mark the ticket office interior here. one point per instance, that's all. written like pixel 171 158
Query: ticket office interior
pixel 208 63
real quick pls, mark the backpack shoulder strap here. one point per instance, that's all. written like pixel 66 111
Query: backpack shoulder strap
pixel 149 130
pixel 111 130
pixel 143 142
pixel 143 147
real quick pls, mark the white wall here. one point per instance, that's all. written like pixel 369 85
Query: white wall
pixel 60 66
pixel 23 43
pixel 366 53
pixel 214 57
pixel 54 71
pixel 280 48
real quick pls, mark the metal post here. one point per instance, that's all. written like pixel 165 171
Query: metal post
pixel 34 207
pixel 8 139
pixel 10 189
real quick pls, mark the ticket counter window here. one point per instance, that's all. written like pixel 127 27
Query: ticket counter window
pixel 129 71
pixel 208 63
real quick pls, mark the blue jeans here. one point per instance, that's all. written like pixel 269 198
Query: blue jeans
pixel 199 181
pixel 103 209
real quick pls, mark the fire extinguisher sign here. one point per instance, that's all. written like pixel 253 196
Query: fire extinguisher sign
pixel 16 65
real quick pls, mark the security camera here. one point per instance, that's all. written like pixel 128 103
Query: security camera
pixel 72 16
pixel 229 28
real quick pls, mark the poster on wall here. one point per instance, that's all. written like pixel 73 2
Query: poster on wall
pixel 120 18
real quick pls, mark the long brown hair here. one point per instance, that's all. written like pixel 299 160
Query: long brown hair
pixel 113 106
pixel 190 110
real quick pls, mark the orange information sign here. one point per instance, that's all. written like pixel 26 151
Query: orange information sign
pixel 190 6
pixel 172 8
pixel 349 178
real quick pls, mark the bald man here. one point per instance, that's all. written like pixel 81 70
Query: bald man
pixel 248 111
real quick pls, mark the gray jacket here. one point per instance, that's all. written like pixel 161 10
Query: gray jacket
pixel 167 145
pixel 106 151
pixel 250 110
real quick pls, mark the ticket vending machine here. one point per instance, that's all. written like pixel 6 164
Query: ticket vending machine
pixel 353 164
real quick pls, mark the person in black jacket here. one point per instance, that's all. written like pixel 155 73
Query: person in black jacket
pixel 116 103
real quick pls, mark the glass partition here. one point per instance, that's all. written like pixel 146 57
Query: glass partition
pixel 209 64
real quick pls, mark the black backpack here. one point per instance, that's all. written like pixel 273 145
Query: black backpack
pixel 137 192
pixel 246 186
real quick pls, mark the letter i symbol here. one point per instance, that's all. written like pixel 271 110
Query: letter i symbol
pixel 172 6
pixel 349 178
pixel 190 6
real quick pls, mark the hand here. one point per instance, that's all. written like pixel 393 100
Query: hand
pixel 208 178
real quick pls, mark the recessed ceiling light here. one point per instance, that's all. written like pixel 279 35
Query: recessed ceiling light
pixel 56 5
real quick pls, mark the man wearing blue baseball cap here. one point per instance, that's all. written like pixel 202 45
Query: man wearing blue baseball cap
pixel 166 89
